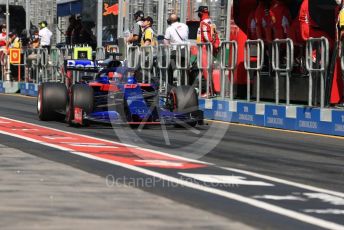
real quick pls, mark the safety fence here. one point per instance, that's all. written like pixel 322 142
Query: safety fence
pixel 187 64
pixel 213 77
pixel 221 103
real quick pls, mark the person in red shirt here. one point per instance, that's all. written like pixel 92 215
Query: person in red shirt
pixel 252 26
pixel 280 19
pixel 263 21
pixel 3 41
pixel 205 35
pixel 304 27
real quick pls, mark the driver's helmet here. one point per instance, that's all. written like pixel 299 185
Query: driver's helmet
pixel 132 80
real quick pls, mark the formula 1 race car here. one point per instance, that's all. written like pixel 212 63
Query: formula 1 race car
pixel 113 96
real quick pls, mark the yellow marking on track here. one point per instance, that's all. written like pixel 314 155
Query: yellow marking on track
pixel 280 130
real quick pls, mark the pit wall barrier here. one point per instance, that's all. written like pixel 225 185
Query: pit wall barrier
pixel 292 117
pixel 28 89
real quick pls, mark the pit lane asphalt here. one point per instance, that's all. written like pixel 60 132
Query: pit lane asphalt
pixel 308 159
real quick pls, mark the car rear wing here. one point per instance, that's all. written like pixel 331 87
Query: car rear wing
pixel 82 65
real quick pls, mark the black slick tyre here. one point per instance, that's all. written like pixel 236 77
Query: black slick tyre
pixel 52 99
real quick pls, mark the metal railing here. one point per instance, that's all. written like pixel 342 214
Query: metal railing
pixel 100 53
pixel 280 47
pixel 4 66
pixel 47 67
pixel 133 54
pixel 38 61
pixel 254 67
pixel 147 62
pixel 163 61
pixel 182 66
pixel 317 62
pixel 228 62
pixel 205 65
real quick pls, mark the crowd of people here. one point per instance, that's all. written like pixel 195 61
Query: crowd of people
pixel 177 33
pixel 36 38
pixel 272 19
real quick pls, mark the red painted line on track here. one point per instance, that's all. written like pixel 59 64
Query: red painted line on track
pixel 104 149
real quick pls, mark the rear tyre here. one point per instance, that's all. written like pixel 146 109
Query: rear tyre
pixel 81 96
pixel 183 99
pixel 52 98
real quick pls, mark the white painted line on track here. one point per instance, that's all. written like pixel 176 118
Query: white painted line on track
pixel 225 179
pixel 325 211
pixel 232 196
pixel 280 198
pixel 286 182
pixel 334 200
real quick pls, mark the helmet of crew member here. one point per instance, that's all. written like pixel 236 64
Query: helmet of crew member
pixel 139 14
pixel 43 24
pixel 202 10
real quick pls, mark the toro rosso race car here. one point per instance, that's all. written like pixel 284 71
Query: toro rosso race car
pixel 113 96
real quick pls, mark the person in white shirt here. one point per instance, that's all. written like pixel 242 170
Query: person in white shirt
pixel 177 33
pixel 45 35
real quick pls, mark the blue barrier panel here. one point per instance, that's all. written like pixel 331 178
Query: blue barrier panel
pixel 338 122
pixel 201 104
pixel 298 118
pixel 276 117
pixel 246 112
pixel 250 113
pixel 24 88
pixel 207 106
pixel 2 89
pixel 222 111
pixel 308 119
pixel 33 90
